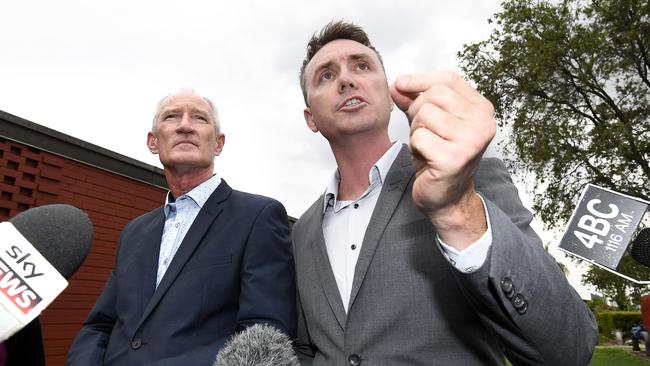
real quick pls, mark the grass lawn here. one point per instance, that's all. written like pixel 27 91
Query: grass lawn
pixel 616 356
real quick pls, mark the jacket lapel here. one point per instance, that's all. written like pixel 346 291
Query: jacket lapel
pixel 322 263
pixel 193 238
pixel 392 191
pixel 150 257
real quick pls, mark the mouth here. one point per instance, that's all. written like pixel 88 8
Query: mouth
pixel 352 103
pixel 184 142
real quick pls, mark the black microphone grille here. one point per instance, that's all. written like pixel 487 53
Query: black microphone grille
pixel 62 234
pixel 640 249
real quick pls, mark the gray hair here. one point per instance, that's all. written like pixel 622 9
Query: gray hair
pixel 213 110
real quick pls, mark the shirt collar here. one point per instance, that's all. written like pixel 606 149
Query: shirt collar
pixel 378 171
pixel 198 194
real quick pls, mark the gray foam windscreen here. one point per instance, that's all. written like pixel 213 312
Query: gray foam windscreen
pixel 258 345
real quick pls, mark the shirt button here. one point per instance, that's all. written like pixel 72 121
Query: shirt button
pixel 353 247
pixel 354 360
pixel 177 224
pixel 469 269
pixel 136 344
pixel 356 205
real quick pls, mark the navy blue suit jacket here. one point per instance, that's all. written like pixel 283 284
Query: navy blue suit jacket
pixel 233 269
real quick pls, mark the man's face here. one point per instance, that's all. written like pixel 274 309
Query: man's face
pixel 185 136
pixel 346 90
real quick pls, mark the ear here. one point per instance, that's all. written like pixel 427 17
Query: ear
pixel 221 140
pixel 309 119
pixel 152 143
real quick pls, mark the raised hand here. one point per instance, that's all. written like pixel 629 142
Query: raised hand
pixel 451 126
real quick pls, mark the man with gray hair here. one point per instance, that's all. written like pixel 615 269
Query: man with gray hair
pixel 188 275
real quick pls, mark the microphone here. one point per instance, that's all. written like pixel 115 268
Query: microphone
pixel 61 233
pixel 640 249
pixel 602 225
pixel 258 345
pixel 39 249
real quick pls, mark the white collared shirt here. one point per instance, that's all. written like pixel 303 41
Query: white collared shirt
pixel 345 224
pixel 179 216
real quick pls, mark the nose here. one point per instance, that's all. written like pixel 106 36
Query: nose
pixel 185 124
pixel 346 81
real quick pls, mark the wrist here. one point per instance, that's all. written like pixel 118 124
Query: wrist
pixel 462 223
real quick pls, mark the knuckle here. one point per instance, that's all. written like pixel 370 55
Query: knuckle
pixel 436 90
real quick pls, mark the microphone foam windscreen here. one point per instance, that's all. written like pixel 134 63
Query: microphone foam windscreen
pixel 62 234
pixel 258 345
pixel 640 250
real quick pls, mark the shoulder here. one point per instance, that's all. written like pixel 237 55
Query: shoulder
pixel 308 217
pixel 253 201
pixel 144 219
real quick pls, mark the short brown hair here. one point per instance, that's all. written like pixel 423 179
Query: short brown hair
pixel 331 32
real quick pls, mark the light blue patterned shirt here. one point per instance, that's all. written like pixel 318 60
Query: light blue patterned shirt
pixel 179 216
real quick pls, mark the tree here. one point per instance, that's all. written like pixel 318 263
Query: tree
pixel 624 292
pixel 571 80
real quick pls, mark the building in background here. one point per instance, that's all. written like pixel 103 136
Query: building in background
pixel 40 166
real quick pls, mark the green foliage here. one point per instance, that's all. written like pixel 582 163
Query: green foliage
pixel 572 80
pixel 599 306
pixel 626 293
pixel 608 321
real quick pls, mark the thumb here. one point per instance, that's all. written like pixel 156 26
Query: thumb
pixel 403 100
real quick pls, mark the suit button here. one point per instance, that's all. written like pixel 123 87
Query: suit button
pixel 520 303
pixel 507 287
pixel 136 344
pixel 354 360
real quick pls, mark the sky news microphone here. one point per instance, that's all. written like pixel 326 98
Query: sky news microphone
pixel 258 345
pixel 39 249
pixel 640 249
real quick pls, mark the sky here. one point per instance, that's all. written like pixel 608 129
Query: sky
pixel 96 70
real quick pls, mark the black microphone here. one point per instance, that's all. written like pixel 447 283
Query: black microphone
pixel 640 249
pixel 61 233
pixel 258 345
pixel 39 250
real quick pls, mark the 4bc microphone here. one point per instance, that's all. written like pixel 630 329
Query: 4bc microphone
pixel 640 249
pixel 602 226
pixel 39 249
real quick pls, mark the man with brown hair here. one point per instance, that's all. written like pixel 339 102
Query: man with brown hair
pixel 425 255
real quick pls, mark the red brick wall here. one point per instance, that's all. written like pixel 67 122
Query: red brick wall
pixel 30 177
pixel 645 310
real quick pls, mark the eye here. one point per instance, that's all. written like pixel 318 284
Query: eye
pixel 327 75
pixel 201 118
pixel 363 66
pixel 169 116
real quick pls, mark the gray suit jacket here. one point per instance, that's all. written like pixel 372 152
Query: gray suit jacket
pixel 410 306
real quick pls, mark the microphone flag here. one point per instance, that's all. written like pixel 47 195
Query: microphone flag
pixel 28 282
pixel 602 226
